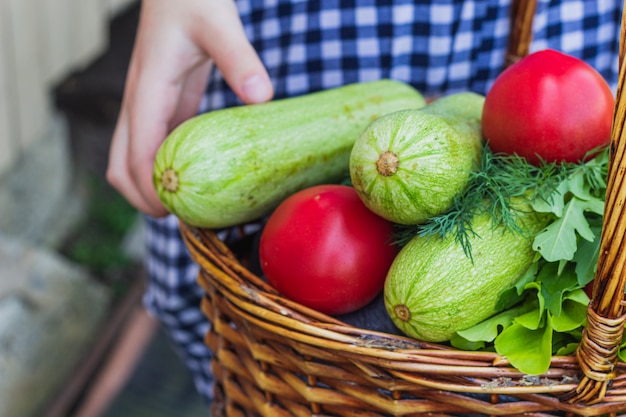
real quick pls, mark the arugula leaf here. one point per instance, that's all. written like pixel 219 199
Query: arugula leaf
pixel 528 350
pixel 533 319
pixel 564 347
pixel 573 312
pixel 515 294
pixel 528 342
pixel 558 240
pixel 548 321
pixel 487 330
pixel 553 202
pixel 586 257
pixel 554 285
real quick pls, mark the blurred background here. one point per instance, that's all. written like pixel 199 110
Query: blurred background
pixel 75 340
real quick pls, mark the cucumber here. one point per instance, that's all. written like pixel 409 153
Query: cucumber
pixel 433 289
pixel 408 166
pixel 232 166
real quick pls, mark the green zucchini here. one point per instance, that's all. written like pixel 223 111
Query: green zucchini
pixel 408 166
pixel 433 289
pixel 232 166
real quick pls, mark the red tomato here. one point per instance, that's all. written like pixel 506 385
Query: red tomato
pixel 324 249
pixel 548 104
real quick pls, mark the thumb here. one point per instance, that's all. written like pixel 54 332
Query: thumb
pixel 224 39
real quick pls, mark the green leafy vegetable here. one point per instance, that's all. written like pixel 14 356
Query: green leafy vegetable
pixel 526 347
pixel 545 312
pixel 497 180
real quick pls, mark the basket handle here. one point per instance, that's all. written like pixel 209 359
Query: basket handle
pixel 521 30
pixel 598 350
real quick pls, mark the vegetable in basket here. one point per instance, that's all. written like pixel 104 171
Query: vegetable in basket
pixel 234 165
pixel 548 106
pixel 434 289
pixel 372 316
pixel 409 165
pixel 546 311
pixel 542 314
pixel 324 249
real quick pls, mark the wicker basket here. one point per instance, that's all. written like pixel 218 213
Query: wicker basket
pixel 276 358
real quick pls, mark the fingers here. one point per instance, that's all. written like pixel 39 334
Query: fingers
pixel 118 174
pixel 155 110
pixel 223 37
pixel 193 88
pixel 167 76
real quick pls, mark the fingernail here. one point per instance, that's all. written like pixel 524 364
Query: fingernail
pixel 256 89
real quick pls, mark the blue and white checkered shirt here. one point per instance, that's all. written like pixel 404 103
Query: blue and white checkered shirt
pixel 438 46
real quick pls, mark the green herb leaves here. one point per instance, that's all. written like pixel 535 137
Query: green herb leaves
pixel 492 185
pixel 544 313
pixel 578 197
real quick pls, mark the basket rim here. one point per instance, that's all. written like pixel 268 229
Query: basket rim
pixel 261 305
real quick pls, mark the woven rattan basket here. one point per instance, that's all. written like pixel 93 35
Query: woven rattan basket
pixel 276 358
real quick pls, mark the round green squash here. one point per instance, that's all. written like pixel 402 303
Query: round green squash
pixel 409 165
pixel 433 289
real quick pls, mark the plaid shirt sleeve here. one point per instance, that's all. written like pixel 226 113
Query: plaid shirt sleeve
pixel 439 47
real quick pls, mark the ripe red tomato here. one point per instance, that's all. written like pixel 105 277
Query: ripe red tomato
pixel 548 104
pixel 324 249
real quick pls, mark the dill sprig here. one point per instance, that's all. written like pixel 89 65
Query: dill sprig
pixel 492 185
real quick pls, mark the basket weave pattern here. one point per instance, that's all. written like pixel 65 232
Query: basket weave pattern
pixel 274 357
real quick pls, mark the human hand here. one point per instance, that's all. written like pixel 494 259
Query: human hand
pixel 176 44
